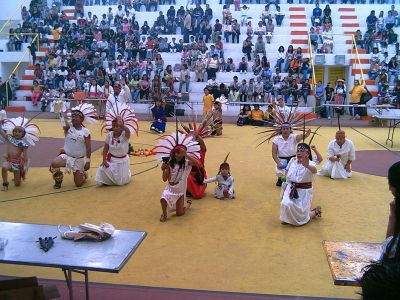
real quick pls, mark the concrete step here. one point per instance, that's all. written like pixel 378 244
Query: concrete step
pixel 293 17
pixel 362 60
pixel 352 25
pixel 350 17
pixel 296 9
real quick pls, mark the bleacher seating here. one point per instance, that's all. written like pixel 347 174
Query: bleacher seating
pixel 346 19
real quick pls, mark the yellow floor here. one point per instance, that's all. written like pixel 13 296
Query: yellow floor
pixel 236 245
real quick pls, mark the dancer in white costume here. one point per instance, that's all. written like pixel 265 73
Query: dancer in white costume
pixel 284 141
pixel 115 168
pixel 179 153
pixel 77 145
pixel 341 153
pixel 23 134
pixel 225 188
pixel 298 190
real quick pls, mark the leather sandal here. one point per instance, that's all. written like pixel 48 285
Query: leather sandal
pixel 58 177
pixel 5 186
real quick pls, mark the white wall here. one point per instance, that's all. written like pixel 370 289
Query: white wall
pixel 12 9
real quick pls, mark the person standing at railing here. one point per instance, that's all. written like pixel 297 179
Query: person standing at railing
pixel 14 84
pixel 356 92
pixel 319 98
pixel 32 49
pixel 329 93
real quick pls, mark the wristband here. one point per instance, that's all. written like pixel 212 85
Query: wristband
pixel 87 160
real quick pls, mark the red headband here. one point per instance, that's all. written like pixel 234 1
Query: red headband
pixel 178 147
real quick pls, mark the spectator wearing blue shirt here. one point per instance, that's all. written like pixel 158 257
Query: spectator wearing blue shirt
pixel 316 15
pixel 371 20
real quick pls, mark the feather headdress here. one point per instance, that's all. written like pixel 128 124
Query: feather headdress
pixel 295 121
pixel 168 143
pixel 88 111
pixel 203 130
pixel 118 109
pixel 225 163
pixel 31 130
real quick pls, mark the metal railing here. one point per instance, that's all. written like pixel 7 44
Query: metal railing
pixel 358 59
pixel 34 34
pixel 18 10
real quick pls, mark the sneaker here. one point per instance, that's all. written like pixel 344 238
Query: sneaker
pixel 329 118
pixel 279 182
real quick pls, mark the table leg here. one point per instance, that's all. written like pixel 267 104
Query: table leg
pixel 87 284
pixel 393 126
pixel 390 134
pixel 68 279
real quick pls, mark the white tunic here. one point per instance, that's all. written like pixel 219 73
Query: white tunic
pixel 286 148
pixel 223 184
pixel 336 169
pixel 176 187
pixel 296 211
pixel 118 171
pixel 75 149
pixel 285 110
pixel 74 144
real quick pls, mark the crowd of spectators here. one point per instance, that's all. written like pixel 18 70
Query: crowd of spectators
pixel 95 52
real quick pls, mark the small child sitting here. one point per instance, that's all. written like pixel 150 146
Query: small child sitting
pixel 225 187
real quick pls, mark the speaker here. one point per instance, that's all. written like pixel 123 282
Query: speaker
pixel 180 112
pixel 319 59
pixel 340 59
pixel 169 109
pixel 185 97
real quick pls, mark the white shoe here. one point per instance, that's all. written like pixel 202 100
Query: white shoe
pixel 329 118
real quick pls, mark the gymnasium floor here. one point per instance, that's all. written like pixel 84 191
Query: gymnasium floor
pixel 237 245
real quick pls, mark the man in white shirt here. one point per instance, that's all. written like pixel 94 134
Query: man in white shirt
pixel 69 84
pixel 341 153
pixel 281 108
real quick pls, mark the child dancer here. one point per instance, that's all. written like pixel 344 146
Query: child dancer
pixel 179 153
pixel 16 157
pixel 225 188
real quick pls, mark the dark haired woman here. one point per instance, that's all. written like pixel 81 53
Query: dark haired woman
pixel 298 189
pixel 391 247
pixel 176 172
